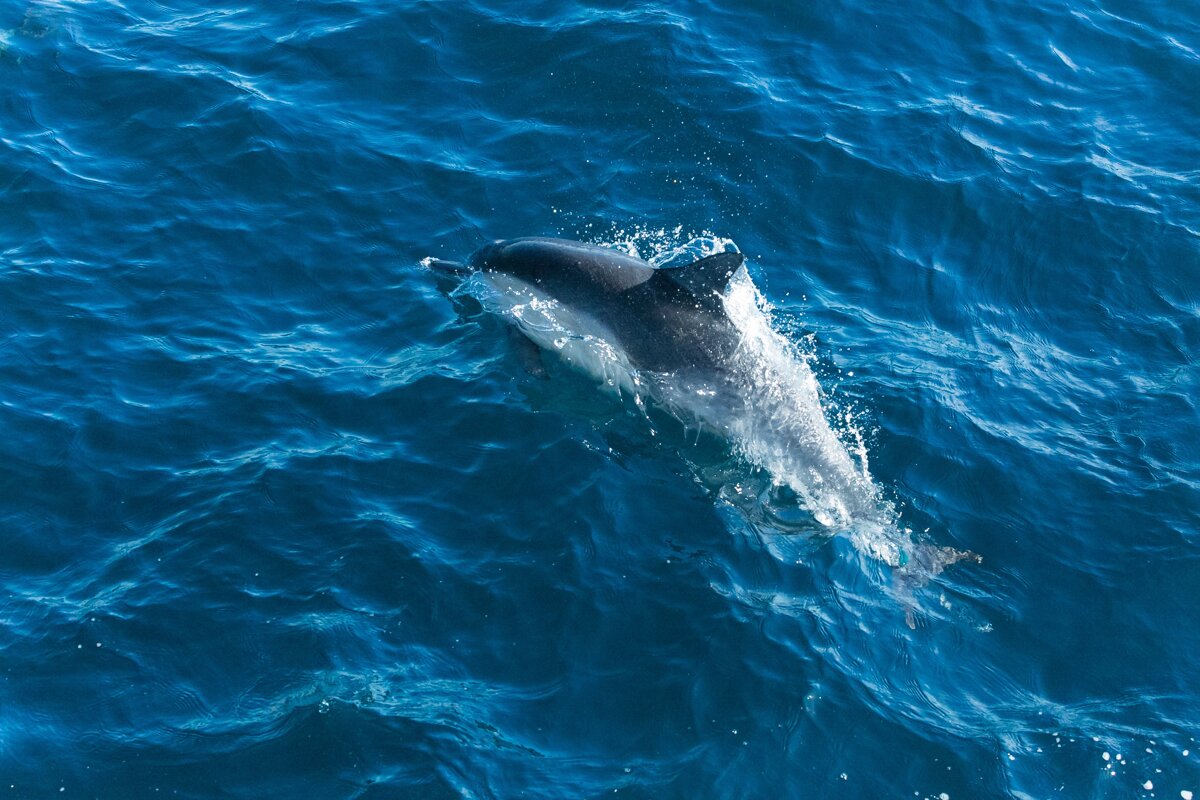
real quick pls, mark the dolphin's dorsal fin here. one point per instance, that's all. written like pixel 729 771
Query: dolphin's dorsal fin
pixel 708 276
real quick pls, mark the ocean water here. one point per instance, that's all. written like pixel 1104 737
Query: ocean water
pixel 283 514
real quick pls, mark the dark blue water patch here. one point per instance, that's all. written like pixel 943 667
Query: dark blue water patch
pixel 280 518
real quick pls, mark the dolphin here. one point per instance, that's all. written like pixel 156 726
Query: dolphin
pixel 696 339
pixel 673 333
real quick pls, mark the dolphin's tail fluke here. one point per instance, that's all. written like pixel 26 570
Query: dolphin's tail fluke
pixel 927 562
pixel 445 267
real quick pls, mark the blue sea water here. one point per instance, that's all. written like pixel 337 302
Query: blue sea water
pixel 282 515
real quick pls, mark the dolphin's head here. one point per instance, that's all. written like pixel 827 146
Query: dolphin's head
pixel 499 256
pixel 487 258
pixel 490 257
pixel 530 255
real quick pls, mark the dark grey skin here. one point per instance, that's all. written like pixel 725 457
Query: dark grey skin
pixel 666 320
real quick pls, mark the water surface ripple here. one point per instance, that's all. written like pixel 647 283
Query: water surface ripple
pixel 280 518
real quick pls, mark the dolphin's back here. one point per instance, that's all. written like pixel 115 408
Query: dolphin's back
pixel 562 266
